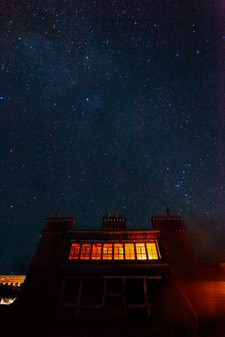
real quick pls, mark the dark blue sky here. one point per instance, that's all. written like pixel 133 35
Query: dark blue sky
pixel 111 105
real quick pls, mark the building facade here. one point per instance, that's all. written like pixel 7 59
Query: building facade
pixel 115 273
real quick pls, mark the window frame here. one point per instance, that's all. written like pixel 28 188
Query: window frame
pixel 138 256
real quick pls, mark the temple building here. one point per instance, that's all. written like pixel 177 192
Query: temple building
pixel 117 273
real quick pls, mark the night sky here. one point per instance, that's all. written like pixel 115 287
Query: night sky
pixel 106 105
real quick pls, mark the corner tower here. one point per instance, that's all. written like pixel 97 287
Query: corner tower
pixel 113 222
pixel 41 281
pixel 176 245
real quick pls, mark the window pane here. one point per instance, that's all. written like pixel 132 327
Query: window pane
pixel 118 251
pixel 129 251
pixel 74 251
pixel 85 251
pixel 121 252
pixel 152 251
pixel 107 251
pixel 96 251
pixel 141 251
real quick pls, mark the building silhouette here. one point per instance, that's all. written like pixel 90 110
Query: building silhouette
pixel 150 276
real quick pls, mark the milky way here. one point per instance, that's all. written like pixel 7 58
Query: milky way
pixel 110 105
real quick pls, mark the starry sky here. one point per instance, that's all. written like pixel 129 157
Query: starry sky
pixel 111 104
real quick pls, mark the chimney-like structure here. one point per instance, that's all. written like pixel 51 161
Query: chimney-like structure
pixel 176 245
pixel 113 222
pixel 40 285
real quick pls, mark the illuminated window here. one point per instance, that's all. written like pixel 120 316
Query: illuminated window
pixel 74 251
pixel 129 251
pixel 141 251
pixel 118 251
pixel 107 251
pixel 96 251
pixel 152 251
pixel 85 251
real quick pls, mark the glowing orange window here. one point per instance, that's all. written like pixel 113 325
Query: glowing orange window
pixel 96 251
pixel 107 251
pixel 141 251
pixel 152 251
pixel 118 251
pixel 129 251
pixel 74 251
pixel 85 251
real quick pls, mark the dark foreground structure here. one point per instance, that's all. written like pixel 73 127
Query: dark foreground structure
pixel 118 282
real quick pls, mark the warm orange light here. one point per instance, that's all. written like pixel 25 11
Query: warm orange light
pixel 96 251
pixel 114 251
pixel 74 251
pixel 129 251
pixel 85 251
pixel 208 297
pixel 141 251
pixel 118 251
pixel 152 251
pixel 12 280
pixel 107 251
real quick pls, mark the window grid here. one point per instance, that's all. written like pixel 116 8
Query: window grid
pixel 74 251
pixel 118 251
pixel 85 251
pixel 96 251
pixel 107 251
pixel 115 251
pixel 141 251
pixel 152 251
pixel 129 251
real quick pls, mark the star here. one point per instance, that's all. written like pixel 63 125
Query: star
pixel 110 105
